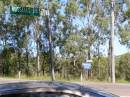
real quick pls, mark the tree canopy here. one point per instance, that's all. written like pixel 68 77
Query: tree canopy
pixel 80 29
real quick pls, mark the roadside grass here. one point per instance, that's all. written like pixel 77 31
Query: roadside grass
pixel 122 81
pixel 35 77
pixel 48 78
pixel 23 77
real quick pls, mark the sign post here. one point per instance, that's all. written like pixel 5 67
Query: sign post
pixel 87 66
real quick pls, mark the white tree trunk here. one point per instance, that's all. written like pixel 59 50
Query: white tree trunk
pixel 112 41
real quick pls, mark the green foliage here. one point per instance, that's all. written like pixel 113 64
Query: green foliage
pixel 103 22
pixel 73 43
pixel 101 64
pixel 123 67
pixel 54 5
pixel 127 13
pixel 72 7
pixel 1 7
pixel 8 55
pixel 124 36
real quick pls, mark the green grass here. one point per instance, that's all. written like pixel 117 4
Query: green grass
pixel 44 78
pixel 122 81
pixel 23 77
pixel 48 78
pixel 35 77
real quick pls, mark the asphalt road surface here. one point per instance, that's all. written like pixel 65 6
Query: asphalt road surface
pixel 122 90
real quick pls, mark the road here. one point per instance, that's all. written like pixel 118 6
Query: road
pixel 122 90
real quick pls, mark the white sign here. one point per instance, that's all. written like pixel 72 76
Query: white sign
pixel 87 66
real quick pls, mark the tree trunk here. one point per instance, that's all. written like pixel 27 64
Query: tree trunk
pixel 50 49
pixel 89 58
pixel 109 62
pixel 19 63
pixel 27 62
pixel 99 73
pixel 74 62
pixel 63 72
pixel 43 71
pixel 112 41
pixel 5 43
pixel 89 54
pixel 38 60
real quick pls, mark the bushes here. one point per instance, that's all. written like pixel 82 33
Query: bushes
pixel 123 67
pixel 100 68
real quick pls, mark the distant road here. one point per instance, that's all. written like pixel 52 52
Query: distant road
pixel 2 81
pixel 122 90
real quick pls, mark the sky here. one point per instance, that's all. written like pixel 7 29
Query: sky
pixel 118 48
